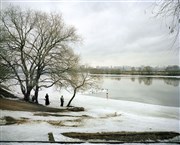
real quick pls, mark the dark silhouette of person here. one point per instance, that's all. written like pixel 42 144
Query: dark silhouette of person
pixel 47 99
pixel 33 98
pixel 62 100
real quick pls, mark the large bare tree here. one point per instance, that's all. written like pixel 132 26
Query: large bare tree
pixel 34 42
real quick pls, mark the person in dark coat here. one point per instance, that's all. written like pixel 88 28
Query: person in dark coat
pixel 62 100
pixel 33 98
pixel 47 99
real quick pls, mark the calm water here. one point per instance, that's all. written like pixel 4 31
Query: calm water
pixel 152 90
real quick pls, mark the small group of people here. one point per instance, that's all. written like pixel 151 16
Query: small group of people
pixel 47 100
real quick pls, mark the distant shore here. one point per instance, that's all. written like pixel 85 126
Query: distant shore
pixel 153 73
pixel 135 75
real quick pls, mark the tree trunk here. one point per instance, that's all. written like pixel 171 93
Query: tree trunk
pixel 27 95
pixel 37 84
pixel 36 94
pixel 72 97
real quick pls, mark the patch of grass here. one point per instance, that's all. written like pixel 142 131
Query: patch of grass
pixel 56 123
pixel 123 136
pixel 21 105
pixel 49 114
pixel 8 120
pixel 24 118
pixel 115 114
pixel 61 123
pixel 22 121
pixel 76 109
pixel 75 120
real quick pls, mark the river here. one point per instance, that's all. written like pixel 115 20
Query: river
pixel 146 89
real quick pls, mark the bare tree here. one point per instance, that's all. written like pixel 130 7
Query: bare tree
pixel 80 80
pixel 34 42
pixel 5 72
pixel 169 9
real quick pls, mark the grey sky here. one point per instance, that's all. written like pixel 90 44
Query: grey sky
pixel 115 33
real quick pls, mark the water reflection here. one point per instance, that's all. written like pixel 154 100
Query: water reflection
pixel 149 80
pixel 132 79
pixel 158 90
pixel 146 80
pixel 172 81
pixel 116 78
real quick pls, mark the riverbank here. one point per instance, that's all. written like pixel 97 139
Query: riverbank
pixel 100 126
pixel 101 117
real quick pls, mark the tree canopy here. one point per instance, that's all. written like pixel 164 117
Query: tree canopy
pixel 35 42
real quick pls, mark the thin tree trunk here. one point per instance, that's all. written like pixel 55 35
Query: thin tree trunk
pixel 37 85
pixel 72 97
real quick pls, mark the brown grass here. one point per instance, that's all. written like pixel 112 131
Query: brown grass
pixel 17 105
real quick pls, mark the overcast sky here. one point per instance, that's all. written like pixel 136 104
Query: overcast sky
pixel 115 33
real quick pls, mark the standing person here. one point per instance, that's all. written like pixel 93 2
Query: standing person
pixel 47 99
pixel 62 100
pixel 33 98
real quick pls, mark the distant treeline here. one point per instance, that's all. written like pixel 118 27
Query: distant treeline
pixel 147 70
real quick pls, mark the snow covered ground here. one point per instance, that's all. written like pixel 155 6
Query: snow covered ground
pixel 100 115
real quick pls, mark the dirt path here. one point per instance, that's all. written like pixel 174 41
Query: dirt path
pixel 18 105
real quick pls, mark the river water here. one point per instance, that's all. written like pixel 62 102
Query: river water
pixel 146 89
